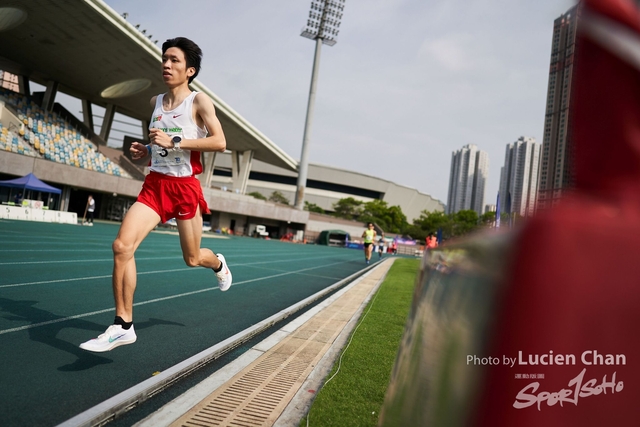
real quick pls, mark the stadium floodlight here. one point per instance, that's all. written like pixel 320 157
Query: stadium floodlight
pixel 323 26
pixel 324 21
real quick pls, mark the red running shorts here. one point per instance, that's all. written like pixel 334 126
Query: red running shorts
pixel 173 197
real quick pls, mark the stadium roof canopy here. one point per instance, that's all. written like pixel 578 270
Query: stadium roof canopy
pixel 95 54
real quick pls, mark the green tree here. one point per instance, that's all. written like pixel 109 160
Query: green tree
pixel 278 197
pixel 397 220
pixel 452 225
pixel 488 218
pixel 415 232
pixel 390 219
pixel 257 195
pixel 431 222
pixel 464 222
pixel 348 208
pixel 312 207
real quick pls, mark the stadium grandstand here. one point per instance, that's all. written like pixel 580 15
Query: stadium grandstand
pixel 52 137
pixel 10 141
pixel 39 68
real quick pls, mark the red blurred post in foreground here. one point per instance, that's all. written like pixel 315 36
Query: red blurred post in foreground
pixel 552 339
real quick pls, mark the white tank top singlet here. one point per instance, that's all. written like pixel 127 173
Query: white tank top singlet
pixel 177 122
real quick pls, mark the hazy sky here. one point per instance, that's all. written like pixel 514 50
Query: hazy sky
pixel 408 82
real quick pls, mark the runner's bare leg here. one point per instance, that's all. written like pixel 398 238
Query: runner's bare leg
pixel 137 224
pixel 190 231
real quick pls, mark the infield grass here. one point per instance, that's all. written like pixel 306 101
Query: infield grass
pixel 354 396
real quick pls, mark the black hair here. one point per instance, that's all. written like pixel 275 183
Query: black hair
pixel 192 52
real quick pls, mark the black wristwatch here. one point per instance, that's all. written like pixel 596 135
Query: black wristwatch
pixel 176 143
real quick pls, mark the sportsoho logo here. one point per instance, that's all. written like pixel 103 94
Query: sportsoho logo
pixel 576 390
pixel 577 387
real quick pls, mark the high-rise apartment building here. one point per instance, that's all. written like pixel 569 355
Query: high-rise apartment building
pixel 467 179
pixel 556 171
pixel 519 177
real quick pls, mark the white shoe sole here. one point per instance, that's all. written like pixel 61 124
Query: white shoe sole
pixel 111 347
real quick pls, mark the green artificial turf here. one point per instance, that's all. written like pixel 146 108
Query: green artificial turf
pixel 355 395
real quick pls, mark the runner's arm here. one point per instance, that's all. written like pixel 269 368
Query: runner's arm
pixel 139 150
pixel 205 116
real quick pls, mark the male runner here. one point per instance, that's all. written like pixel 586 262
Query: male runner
pixel 369 236
pixel 381 243
pixel 183 124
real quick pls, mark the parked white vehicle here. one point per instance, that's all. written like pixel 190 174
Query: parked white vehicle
pixel 261 231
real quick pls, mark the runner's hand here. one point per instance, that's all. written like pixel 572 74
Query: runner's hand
pixel 138 151
pixel 159 138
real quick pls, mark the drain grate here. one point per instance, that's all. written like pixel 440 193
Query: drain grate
pixel 258 395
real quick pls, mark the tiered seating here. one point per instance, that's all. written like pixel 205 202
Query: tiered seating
pixel 10 141
pixel 55 139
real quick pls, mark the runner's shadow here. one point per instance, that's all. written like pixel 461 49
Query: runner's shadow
pixel 44 328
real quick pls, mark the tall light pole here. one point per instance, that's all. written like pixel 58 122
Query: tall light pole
pixel 322 26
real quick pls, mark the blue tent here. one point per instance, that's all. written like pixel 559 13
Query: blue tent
pixel 30 182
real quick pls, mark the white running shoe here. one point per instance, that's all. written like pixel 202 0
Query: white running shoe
pixel 224 275
pixel 113 337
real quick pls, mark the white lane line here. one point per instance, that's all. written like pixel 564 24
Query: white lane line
pixel 66 261
pixel 106 310
pixel 13 285
pixel 140 249
pixel 60 250
pixel 301 274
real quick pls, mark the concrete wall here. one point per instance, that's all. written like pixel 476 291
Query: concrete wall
pixel 323 198
pixel 245 208
pixel 318 223
pixel 8 119
pixel 223 201
pixel 410 200
pixel 232 203
pixel 60 174
pixel 29 214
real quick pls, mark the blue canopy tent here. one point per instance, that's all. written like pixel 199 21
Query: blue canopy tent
pixel 30 182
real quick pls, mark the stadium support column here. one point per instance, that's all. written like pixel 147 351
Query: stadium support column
pixel 23 85
pixel 208 162
pixel 49 96
pixel 144 124
pixel 87 114
pixel 240 168
pixel 107 122
pixel 64 199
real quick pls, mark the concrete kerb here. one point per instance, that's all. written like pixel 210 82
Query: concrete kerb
pixel 122 402
pixel 301 402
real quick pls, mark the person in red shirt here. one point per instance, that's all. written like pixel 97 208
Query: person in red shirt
pixel 431 242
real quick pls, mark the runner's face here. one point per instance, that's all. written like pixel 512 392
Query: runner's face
pixel 174 67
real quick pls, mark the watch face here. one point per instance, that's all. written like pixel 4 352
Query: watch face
pixel 176 139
